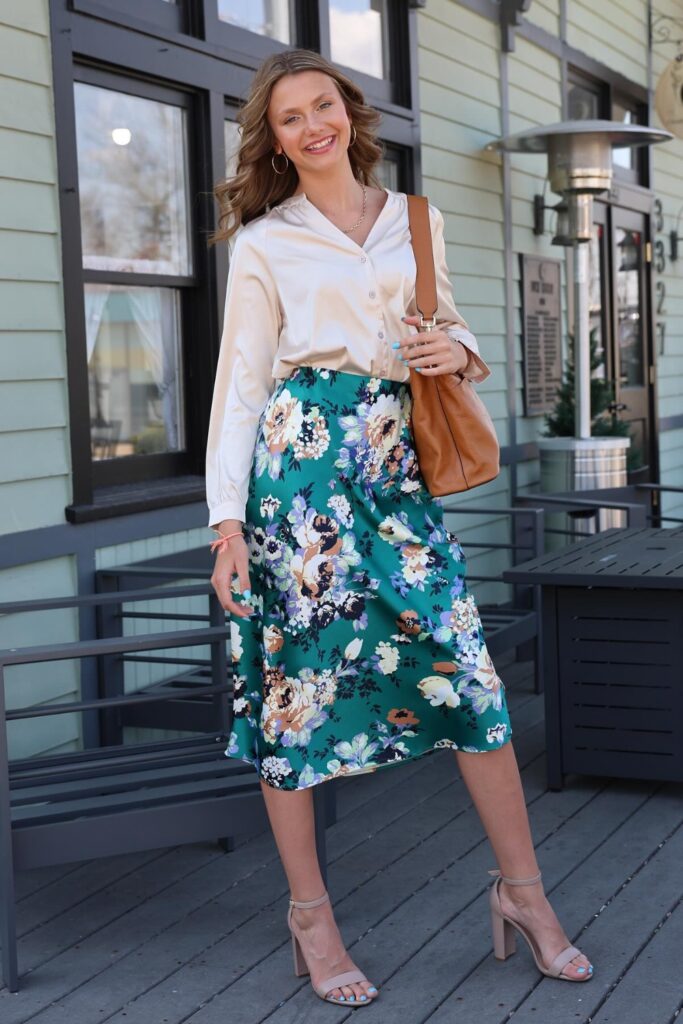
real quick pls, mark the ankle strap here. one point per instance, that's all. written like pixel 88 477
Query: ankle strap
pixel 516 881
pixel 309 904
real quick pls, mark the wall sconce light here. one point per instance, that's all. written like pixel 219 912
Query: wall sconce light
pixel 675 238
pixel 562 233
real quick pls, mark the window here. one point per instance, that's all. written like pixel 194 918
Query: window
pixel 272 18
pixel 359 35
pixel 135 226
pixel 629 162
pixel 589 99
pixel 583 102
pixel 231 140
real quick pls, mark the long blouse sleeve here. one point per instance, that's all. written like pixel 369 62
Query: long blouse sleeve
pixel 244 381
pixel 448 316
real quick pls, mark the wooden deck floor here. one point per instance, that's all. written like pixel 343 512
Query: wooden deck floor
pixel 191 934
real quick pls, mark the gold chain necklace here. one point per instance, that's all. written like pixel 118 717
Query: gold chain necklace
pixel 347 231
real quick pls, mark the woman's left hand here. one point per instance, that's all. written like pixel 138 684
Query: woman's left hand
pixel 432 352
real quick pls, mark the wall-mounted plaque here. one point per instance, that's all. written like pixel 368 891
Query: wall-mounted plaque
pixel 541 336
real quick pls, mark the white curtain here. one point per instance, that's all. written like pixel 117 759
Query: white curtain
pixel 153 312
pixel 95 300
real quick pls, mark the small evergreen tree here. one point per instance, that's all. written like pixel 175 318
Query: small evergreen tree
pixel 605 410
pixel 605 420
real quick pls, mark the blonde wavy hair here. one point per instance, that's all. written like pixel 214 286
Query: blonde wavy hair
pixel 255 186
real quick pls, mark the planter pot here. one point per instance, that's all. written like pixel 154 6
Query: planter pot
pixel 571 464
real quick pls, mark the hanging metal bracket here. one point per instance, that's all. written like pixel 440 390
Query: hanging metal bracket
pixel 665 30
pixel 511 12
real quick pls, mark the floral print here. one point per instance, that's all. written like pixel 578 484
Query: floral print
pixel 365 647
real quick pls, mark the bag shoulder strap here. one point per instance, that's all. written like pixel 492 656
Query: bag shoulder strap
pixel 421 239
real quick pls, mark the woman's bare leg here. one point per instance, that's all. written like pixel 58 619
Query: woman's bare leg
pixel 495 786
pixel 293 824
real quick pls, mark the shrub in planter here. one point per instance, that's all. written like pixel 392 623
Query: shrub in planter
pixel 605 421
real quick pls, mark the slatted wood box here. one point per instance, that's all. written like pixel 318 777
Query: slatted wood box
pixel 616 707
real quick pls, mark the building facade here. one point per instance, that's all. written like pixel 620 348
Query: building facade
pixel 117 117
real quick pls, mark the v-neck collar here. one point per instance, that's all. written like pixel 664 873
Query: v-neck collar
pixel 331 229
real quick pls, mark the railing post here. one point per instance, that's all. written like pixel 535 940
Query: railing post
pixel 8 934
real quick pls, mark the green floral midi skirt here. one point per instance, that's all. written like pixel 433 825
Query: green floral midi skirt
pixel 365 647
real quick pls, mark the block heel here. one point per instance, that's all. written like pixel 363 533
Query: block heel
pixel 504 942
pixel 300 965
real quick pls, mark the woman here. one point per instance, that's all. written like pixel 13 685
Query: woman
pixel 360 646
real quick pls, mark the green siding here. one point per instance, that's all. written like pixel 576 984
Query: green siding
pixel 545 14
pixel 668 174
pixel 34 442
pixel 612 31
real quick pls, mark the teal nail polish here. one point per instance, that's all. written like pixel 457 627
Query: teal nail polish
pixel 246 594
pixel 373 990
pixel 342 999
pixel 396 345
pixel 352 999
pixel 418 369
pixel 580 970
pixel 364 997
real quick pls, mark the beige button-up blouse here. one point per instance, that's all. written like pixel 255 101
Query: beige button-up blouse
pixel 302 293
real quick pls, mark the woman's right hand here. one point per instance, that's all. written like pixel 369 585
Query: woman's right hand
pixel 232 560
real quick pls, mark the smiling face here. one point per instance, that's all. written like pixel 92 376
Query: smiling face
pixel 309 121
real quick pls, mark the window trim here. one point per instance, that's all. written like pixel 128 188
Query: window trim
pixel 170 16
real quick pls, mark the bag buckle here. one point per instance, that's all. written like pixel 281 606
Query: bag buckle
pixel 427 323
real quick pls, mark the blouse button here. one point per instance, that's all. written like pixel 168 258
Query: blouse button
pixel 363 259
pixel 372 294
pixel 380 334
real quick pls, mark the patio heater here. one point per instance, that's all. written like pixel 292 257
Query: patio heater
pixel 580 167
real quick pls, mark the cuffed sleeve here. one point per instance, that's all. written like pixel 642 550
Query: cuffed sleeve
pixel 448 317
pixel 244 380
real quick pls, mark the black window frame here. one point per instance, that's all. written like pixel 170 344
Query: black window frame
pixel 163 55
pixel 137 468
pixel 158 13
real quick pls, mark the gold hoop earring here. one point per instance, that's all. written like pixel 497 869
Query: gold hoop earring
pixel 355 136
pixel 272 162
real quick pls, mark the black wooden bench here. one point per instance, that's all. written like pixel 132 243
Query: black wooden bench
pixel 112 797
pixel 517 623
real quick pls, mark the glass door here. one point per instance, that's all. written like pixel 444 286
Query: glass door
pixel 630 336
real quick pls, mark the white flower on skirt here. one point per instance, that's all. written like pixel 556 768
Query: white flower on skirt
pixel 438 690
pixel 353 649
pixel 388 657
pixel 394 531
pixel 275 768
pixel 339 504
pixel 496 733
pixel 269 506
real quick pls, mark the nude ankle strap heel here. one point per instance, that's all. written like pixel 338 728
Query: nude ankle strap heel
pixel 301 967
pixel 503 932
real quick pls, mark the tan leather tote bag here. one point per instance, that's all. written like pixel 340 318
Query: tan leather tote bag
pixel 455 439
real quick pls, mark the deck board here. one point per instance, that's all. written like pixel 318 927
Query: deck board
pixel 191 934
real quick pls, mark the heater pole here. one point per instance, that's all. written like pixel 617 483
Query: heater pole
pixel 582 371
